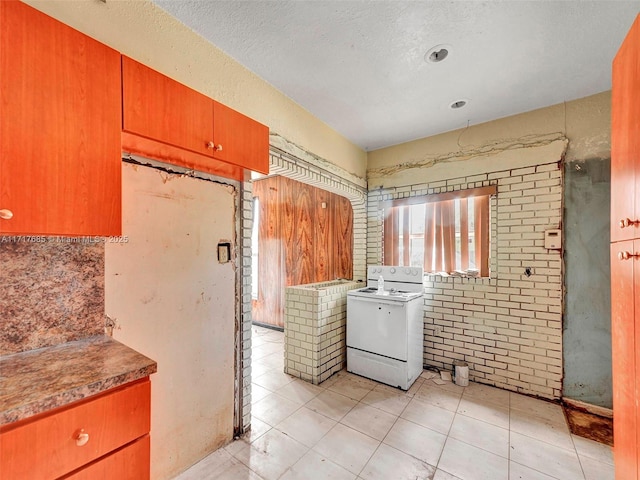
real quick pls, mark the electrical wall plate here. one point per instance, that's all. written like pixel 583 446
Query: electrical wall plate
pixel 224 252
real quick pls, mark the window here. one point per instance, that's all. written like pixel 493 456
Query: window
pixel 446 232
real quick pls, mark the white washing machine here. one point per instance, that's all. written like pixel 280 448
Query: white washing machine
pixel 385 329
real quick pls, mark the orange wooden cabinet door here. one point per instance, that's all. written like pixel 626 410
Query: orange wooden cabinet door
pixel 240 140
pixel 47 448
pixel 636 295
pixel 625 138
pixel 157 107
pixel 624 369
pixel 129 463
pixel 60 113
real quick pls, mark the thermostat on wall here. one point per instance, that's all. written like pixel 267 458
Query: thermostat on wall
pixel 553 239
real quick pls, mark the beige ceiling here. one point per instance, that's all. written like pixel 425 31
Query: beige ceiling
pixel 359 65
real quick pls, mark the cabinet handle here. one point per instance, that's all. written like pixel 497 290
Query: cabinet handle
pixel 6 214
pixel 627 255
pixel 82 438
pixel 214 147
pixel 626 222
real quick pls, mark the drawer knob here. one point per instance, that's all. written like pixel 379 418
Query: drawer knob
pixel 82 438
pixel 627 255
pixel 6 214
pixel 214 147
pixel 626 222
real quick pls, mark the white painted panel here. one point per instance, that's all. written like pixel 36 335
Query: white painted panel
pixel 174 302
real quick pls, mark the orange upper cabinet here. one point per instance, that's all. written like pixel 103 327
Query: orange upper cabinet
pixel 168 121
pixel 60 113
pixel 625 139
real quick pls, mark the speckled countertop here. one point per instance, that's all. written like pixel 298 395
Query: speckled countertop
pixel 35 381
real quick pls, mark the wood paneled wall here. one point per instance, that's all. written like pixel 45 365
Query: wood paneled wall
pixel 305 236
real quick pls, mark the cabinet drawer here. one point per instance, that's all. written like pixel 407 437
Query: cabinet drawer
pixel 129 463
pixel 47 447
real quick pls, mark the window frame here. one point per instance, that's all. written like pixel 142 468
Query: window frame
pixel 391 222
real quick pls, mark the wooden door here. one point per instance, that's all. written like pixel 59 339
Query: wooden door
pixel 59 127
pixel 240 140
pixel 343 238
pixel 267 308
pixel 300 241
pixel 159 108
pixel 323 242
pixel 625 138
pixel 624 361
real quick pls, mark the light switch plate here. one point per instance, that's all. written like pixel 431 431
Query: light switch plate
pixel 224 252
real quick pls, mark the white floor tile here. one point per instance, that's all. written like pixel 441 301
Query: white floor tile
pixel 550 412
pixel 258 428
pixel 389 400
pixel 472 463
pixel 431 393
pixel 487 393
pixel 595 470
pixel 369 420
pixel 306 426
pixel 351 387
pixel 472 433
pixel 273 380
pixel 597 451
pixel 314 466
pixel 520 472
pixel 442 475
pixel 416 440
pixel 299 391
pixel 389 463
pixel 485 411
pixel 258 392
pixel 544 457
pixel 271 454
pixel 347 447
pixel 331 404
pixel 213 465
pixel 555 433
pixel 273 408
pixel 481 434
pixel 428 415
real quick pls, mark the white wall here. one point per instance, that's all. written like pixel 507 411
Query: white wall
pixel 172 301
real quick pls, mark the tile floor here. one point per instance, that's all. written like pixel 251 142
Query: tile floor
pixel 353 428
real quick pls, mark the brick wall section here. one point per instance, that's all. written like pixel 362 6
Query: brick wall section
pixel 246 207
pixel 508 327
pixel 315 329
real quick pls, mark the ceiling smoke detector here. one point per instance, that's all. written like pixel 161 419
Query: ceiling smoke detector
pixel 458 104
pixel 437 54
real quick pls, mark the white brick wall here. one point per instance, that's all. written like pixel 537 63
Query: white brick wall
pixel 508 327
pixel 315 329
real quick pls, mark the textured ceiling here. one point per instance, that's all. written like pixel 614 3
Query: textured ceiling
pixel 359 65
